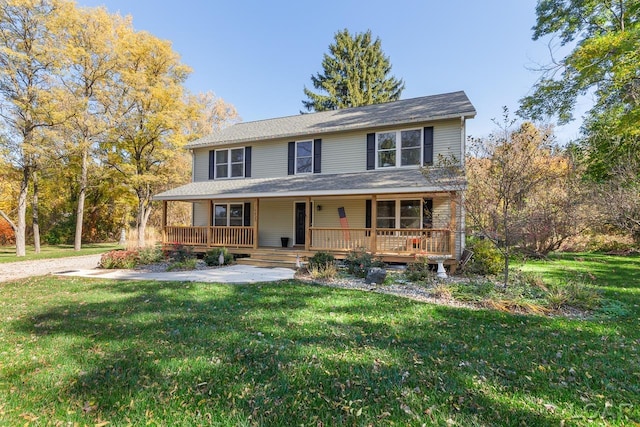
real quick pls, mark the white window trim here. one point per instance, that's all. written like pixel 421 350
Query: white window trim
pixel 229 163
pixel 397 209
pixel 295 159
pixel 228 206
pixel 399 149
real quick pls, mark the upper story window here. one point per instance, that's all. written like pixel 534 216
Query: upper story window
pixel 229 163
pixel 304 156
pixel 399 148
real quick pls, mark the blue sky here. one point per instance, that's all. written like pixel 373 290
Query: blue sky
pixel 259 55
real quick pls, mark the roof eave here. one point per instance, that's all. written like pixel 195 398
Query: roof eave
pixel 316 193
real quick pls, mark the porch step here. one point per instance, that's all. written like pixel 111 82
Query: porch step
pixel 266 263
pixel 274 258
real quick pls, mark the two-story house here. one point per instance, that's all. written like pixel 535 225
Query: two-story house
pixel 330 181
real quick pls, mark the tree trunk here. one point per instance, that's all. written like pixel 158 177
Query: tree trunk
pixel 35 213
pixel 21 227
pixel 144 211
pixel 505 252
pixel 77 244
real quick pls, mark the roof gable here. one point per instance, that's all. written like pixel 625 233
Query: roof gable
pixel 426 108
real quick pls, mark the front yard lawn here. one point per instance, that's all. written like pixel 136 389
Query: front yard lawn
pixel 132 353
pixel 8 253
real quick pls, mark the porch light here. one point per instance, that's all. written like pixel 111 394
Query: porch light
pixel 318 208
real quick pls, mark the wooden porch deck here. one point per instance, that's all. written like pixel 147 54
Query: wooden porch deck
pixel 392 245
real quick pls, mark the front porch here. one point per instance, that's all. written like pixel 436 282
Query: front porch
pixel 390 244
pixel 425 224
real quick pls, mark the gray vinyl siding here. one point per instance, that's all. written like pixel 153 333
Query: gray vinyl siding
pixel 269 159
pixel 200 214
pixel 200 164
pixel 275 221
pixel 447 140
pixel 344 153
pixel 441 219
pixel 441 210
pixel 341 153
pixel 328 216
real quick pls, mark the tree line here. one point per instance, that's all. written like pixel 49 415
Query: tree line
pixel 94 114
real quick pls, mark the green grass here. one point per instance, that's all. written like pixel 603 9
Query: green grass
pixel 8 253
pixel 135 353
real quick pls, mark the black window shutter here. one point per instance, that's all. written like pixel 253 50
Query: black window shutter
pixel 247 214
pixel 317 155
pixel 367 214
pixel 428 146
pixel 292 159
pixel 212 164
pixel 371 151
pixel 247 162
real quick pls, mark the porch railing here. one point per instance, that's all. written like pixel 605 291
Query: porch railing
pixel 387 240
pixel 238 237
pixel 338 239
pixel 432 241
pixel 191 236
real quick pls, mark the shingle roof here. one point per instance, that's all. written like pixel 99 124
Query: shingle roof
pixel 426 108
pixel 393 181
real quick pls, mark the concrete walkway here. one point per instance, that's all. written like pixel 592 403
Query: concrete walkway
pixel 232 274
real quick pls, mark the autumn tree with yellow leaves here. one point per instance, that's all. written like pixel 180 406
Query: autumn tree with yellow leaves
pixel 95 109
pixel 523 190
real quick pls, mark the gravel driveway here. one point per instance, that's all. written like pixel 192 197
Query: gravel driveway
pixel 23 269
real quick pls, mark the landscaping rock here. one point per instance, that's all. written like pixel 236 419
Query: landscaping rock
pixel 376 275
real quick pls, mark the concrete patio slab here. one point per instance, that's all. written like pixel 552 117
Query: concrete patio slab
pixel 231 274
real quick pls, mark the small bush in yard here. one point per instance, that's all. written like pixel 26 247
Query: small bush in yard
pixel 419 270
pixel 119 259
pixel 187 264
pixel 487 260
pixel 150 255
pixel 212 257
pixel 321 259
pixel 179 252
pixel 574 294
pixel 359 262
pixel 323 271
pixel 442 290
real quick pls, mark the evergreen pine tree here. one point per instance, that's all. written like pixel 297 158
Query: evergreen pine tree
pixel 355 73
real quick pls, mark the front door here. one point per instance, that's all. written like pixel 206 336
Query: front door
pixel 300 214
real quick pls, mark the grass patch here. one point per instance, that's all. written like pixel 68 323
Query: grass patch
pixel 8 253
pixel 134 353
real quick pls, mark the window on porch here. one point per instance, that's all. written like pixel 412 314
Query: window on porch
pixel 415 213
pixel 228 215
